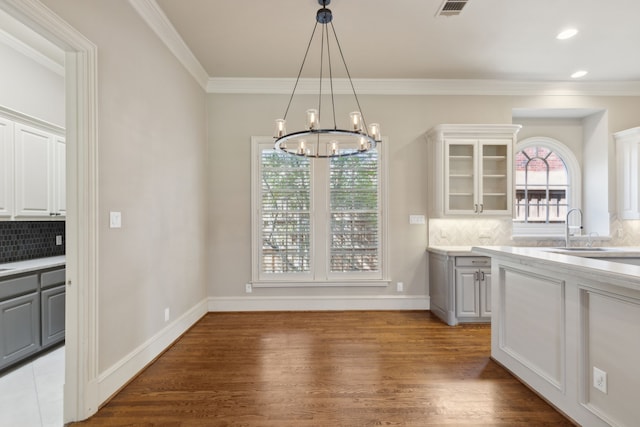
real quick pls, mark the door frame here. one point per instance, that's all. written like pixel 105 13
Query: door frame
pixel 82 222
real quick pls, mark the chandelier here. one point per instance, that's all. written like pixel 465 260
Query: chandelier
pixel 315 141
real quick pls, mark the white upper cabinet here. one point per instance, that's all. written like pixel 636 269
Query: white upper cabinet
pixel 34 172
pixel 471 169
pixel 628 161
pixel 60 173
pixel 32 177
pixel 6 168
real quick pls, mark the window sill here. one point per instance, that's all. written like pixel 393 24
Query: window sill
pixel 322 284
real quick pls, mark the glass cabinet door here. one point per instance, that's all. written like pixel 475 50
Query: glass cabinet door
pixel 494 177
pixel 460 171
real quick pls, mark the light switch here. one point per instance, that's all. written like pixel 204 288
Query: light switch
pixel 115 219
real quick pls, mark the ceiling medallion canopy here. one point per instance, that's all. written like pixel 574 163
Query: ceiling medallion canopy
pixel 315 141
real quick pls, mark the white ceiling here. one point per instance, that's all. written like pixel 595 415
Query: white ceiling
pixel 511 40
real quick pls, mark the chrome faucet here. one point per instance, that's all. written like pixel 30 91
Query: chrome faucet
pixel 567 234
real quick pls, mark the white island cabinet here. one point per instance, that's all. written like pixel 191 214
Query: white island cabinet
pixel 471 169
pixel 568 326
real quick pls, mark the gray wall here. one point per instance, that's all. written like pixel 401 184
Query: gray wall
pixel 233 119
pixel 152 157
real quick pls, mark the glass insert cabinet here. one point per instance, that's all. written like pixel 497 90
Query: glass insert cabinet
pixel 471 169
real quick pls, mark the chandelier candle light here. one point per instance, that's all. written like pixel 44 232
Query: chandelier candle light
pixel 314 141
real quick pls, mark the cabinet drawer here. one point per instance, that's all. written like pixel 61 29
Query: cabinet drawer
pixel 18 286
pixel 52 278
pixel 473 261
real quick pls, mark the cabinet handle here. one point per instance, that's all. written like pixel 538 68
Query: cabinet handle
pixel 52 214
pixel 482 276
pixel 481 208
pixel 475 208
pixel 475 276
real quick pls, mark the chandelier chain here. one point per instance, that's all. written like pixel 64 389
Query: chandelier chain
pixel 304 59
pixel 355 95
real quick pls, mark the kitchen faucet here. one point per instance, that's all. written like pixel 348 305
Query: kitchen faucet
pixel 567 234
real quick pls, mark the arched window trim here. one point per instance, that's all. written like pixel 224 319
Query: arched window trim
pixel 574 178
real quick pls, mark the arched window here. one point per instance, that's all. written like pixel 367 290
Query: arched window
pixel 547 185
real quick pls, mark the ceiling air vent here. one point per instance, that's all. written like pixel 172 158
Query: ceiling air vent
pixel 451 7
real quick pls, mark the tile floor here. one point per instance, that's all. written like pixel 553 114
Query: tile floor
pixel 31 395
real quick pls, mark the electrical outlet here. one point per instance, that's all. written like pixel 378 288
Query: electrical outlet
pixel 167 314
pixel 248 288
pixel 58 240
pixel 416 219
pixel 400 287
pixel 600 380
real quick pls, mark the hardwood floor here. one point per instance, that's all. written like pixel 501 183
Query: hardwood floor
pixel 327 369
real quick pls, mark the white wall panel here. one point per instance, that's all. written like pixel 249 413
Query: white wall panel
pixel 612 325
pixel 534 304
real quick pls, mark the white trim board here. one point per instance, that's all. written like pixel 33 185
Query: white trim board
pixel 118 375
pixel 423 87
pixel 155 18
pixel 322 303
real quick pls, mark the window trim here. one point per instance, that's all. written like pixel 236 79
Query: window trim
pixel 341 279
pixel 574 177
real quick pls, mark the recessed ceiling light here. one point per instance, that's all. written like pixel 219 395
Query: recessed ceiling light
pixel 579 74
pixel 567 34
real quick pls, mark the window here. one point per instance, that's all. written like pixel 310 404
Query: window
pixel 547 181
pixel 317 221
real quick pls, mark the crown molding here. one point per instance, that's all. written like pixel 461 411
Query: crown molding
pixel 230 85
pixel 31 53
pixel 153 15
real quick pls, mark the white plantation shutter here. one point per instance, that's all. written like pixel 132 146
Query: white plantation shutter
pixel 285 213
pixel 354 207
pixel 317 221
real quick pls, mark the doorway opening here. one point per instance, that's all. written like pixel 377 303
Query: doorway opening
pixel 81 382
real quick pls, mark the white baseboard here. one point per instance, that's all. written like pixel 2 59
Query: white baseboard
pixel 384 302
pixel 111 380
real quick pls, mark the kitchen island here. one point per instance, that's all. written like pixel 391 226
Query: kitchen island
pixel 567 323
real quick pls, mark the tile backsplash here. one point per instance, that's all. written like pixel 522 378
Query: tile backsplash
pixel 22 240
pixel 497 232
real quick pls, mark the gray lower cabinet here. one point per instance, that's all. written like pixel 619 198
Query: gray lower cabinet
pixel 19 319
pixel 32 313
pixel 52 304
pixel 460 288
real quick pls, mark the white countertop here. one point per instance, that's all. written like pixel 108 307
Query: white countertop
pixel 451 250
pixel 627 274
pixel 19 267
